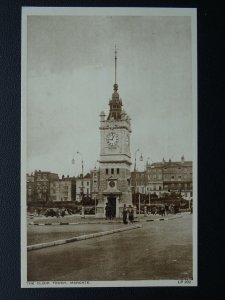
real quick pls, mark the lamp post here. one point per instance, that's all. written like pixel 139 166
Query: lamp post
pixel 82 174
pixel 135 178
pixel 149 194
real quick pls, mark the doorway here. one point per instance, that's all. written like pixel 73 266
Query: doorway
pixel 112 203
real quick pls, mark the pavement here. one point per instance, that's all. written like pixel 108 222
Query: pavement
pixel 41 239
pixel 157 250
pixel 80 238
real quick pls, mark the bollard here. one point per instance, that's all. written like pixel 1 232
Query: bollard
pixel 82 212
pixel 145 211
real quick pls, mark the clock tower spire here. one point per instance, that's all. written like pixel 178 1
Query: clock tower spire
pixel 115 158
pixel 115 103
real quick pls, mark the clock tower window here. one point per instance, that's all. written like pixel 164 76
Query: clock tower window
pixel 118 170
pixel 112 171
pixel 107 171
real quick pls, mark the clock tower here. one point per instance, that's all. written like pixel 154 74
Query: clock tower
pixel 115 157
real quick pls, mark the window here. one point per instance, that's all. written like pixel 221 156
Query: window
pixel 112 171
pixel 87 191
pixel 172 177
pixel 107 171
pixel 117 170
pixel 87 182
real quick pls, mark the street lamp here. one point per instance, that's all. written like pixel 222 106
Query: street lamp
pixel 149 194
pixel 82 174
pixel 135 178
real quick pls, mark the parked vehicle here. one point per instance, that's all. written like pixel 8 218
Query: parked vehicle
pixel 51 212
pixel 89 211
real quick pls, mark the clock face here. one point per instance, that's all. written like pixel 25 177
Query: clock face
pixel 112 139
pixel 112 183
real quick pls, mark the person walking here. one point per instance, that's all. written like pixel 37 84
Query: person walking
pixel 131 214
pixel 107 211
pixel 125 214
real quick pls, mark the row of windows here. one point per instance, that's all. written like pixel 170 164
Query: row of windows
pixel 179 169
pixel 39 176
pixel 186 185
pixel 62 199
pixel 53 191
pixel 117 171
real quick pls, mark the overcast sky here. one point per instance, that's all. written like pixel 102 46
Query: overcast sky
pixel 70 77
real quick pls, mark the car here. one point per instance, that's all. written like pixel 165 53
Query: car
pixel 51 212
pixel 89 211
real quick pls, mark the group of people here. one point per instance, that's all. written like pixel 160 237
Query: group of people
pixel 128 214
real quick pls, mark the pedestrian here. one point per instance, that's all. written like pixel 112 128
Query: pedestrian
pixel 131 214
pixel 166 209
pixel 63 212
pixel 125 214
pixel 107 211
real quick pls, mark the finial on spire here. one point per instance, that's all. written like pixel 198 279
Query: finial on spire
pixel 115 61
pixel 115 84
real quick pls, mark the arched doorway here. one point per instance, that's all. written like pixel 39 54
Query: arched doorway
pixel 112 203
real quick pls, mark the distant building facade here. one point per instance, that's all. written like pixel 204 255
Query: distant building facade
pixel 63 190
pixel 86 186
pixel 30 188
pixel 38 185
pixel 164 177
pixel 94 183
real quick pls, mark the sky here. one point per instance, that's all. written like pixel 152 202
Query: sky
pixel 70 77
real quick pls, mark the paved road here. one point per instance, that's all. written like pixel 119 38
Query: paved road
pixel 158 250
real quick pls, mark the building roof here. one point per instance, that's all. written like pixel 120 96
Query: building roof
pixel 169 164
